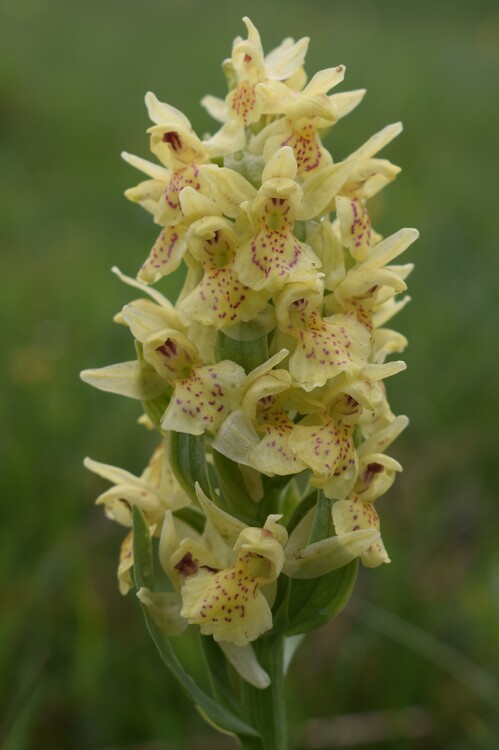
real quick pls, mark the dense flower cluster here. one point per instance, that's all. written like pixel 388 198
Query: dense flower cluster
pixel 274 354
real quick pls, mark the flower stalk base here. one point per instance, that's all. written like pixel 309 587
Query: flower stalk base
pixel 266 709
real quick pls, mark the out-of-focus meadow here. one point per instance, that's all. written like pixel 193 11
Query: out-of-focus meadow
pixel 416 653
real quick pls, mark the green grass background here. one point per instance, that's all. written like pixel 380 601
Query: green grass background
pixel 77 669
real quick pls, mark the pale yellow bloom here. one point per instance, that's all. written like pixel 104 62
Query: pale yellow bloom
pixel 273 256
pixel 325 347
pixel 353 515
pixel 274 352
pixel 258 433
pixel 202 394
pixel 220 299
pixel 306 113
pixel 220 588
pixel 325 443
pixel 154 492
pixel 184 159
pixel 248 68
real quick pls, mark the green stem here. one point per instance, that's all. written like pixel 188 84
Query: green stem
pixel 250 743
pixel 267 708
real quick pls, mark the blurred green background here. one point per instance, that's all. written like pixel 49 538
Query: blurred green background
pixel 415 656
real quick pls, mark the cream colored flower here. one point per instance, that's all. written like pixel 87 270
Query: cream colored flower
pixel 248 67
pixel 202 394
pixel 274 354
pixel 221 584
pixel 273 256
pixel 154 492
pixel 220 299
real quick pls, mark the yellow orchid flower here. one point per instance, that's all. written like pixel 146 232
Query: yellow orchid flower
pixel 325 347
pixel 248 67
pixel 266 403
pixel 184 158
pixel 305 114
pixel 181 154
pixel 371 283
pixel 220 582
pixel 229 604
pixel 182 551
pixel 160 196
pixel 268 369
pixel 203 395
pixel 219 299
pixel 154 492
pixel 376 476
pixel 257 434
pixel 274 256
pixel 325 444
pixel 354 515
pixel 370 174
pixel 173 140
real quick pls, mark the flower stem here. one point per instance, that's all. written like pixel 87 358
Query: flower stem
pixel 267 708
pixel 250 743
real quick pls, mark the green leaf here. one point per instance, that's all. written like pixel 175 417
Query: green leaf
pixel 219 675
pixel 321 528
pixel 233 488
pixel 301 511
pixel 248 353
pixel 156 407
pixel 215 714
pixel 193 516
pixel 188 462
pixel 143 566
pixel 314 602
pixel 300 230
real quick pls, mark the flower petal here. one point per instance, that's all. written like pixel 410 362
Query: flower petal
pixel 325 348
pixel 378 141
pixel 322 557
pixel 131 379
pixel 165 256
pixel 228 189
pixel 328 450
pixel 356 515
pixel 355 227
pixel 159 112
pixel 321 187
pixel 283 61
pixel 155 171
pixel 345 102
pixel 159 298
pixel 125 565
pixel 215 107
pixel 228 605
pixel 272 259
pixel 226 525
pixel 244 661
pixel 236 438
pixel 164 609
pixel 202 401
